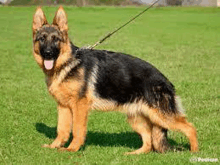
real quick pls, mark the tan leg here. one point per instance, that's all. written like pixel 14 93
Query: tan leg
pixel 63 128
pixel 175 122
pixel 189 131
pixel 159 139
pixel 143 127
pixel 80 117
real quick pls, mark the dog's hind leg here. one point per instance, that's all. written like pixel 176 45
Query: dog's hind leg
pixel 176 122
pixel 63 128
pixel 159 139
pixel 142 126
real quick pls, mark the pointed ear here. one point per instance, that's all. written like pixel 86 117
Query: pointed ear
pixel 60 19
pixel 39 20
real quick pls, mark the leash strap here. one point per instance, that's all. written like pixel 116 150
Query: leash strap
pixel 111 33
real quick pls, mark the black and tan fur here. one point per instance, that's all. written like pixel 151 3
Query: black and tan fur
pixel 85 79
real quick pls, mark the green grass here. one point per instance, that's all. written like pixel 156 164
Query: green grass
pixel 184 43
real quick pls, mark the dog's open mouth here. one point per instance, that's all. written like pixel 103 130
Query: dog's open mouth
pixel 48 64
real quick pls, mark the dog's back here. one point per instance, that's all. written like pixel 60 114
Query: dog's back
pixel 125 79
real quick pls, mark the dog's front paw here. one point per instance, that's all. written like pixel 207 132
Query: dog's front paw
pixel 62 149
pixel 47 146
pixel 50 146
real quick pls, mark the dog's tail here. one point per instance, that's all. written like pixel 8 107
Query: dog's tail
pixel 179 105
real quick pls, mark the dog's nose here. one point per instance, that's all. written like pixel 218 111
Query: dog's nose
pixel 48 53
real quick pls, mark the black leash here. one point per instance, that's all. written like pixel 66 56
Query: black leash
pixel 111 33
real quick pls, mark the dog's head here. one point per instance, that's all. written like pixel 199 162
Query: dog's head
pixel 51 42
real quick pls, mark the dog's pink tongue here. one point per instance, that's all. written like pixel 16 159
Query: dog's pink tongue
pixel 48 64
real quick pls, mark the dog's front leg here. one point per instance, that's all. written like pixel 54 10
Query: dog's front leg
pixel 63 127
pixel 80 116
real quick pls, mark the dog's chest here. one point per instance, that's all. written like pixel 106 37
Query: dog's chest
pixel 64 92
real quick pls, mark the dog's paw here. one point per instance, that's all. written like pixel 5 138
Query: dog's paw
pixel 46 146
pixel 137 152
pixel 49 146
pixel 62 149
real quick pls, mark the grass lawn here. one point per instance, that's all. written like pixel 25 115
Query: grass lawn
pixel 184 43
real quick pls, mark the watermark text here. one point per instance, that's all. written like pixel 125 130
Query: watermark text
pixel 203 159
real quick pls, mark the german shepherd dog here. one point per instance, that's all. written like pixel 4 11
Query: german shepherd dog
pixel 84 79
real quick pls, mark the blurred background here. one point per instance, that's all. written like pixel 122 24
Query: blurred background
pixel 111 2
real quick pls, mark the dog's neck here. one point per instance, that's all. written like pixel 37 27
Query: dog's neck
pixel 73 48
pixel 66 63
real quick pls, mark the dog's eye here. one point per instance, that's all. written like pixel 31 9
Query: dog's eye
pixel 56 39
pixel 41 39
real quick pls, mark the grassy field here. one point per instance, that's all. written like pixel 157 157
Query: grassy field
pixel 184 43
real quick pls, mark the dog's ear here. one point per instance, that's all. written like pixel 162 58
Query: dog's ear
pixel 39 20
pixel 60 20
